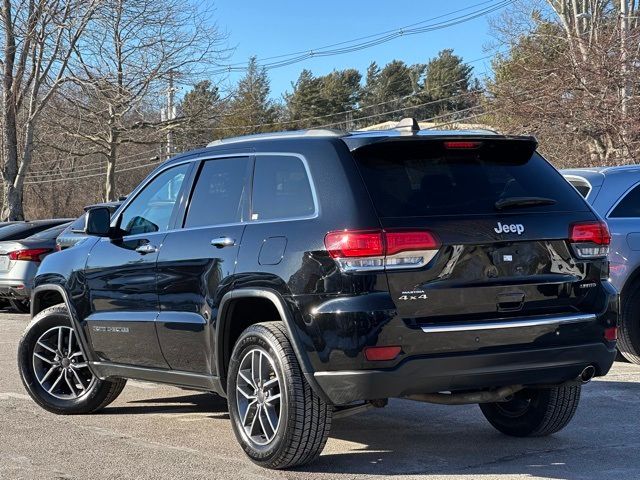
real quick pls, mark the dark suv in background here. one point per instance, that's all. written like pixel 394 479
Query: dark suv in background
pixel 309 274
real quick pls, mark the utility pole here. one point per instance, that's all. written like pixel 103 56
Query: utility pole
pixel 170 113
pixel 625 91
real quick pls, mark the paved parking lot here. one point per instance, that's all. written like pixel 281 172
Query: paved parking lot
pixel 162 432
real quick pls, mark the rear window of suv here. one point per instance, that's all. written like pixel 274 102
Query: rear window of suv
pixel 423 178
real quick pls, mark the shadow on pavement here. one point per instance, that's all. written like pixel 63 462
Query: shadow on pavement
pixel 412 438
pixel 180 404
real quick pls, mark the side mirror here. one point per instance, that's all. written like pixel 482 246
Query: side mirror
pixel 98 222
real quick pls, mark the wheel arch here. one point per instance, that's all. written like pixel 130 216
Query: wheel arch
pixel 224 346
pixel 47 295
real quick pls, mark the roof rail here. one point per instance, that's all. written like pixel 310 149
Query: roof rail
pixel 327 132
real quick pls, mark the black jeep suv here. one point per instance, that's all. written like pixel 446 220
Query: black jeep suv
pixel 307 275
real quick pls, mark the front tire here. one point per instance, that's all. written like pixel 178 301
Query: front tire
pixel 54 370
pixel 534 412
pixel 277 418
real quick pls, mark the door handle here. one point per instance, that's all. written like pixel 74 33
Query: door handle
pixel 222 242
pixel 146 248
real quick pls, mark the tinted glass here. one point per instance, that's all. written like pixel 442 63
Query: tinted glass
pixel 217 198
pixel 18 231
pixel 582 186
pixel 423 178
pixel 151 210
pixel 281 189
pixel 49 233
pixel 629 206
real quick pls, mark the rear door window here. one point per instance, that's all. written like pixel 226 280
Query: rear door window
pixel 281 189
pixel 217 197
pixel 423 178
pixel 629 206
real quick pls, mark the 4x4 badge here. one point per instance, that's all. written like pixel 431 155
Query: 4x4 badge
pixel 511 228
pixel 413 295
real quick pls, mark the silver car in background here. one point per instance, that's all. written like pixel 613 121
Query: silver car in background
pixel 19 262
pixel 614 192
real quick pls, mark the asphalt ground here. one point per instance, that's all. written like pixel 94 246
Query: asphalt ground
pixel 159 432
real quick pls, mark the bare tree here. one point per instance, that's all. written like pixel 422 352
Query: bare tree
pixel 122 67
pixel 569 77
pixel 39 37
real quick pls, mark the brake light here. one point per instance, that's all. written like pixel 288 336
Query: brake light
pixel 462 145
pixel 377 354
pixel 370 250
pixel 29 254
pixel 590 239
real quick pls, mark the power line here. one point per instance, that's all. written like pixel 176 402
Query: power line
pixel 51 180
pixel 369 41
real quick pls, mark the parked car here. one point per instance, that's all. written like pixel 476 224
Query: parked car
pixel 19 261
pixel 74 233
pixel 614 192
pixel 310 274
pixel 24 229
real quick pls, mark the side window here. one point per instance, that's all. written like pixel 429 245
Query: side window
pixel 151 210
pixel 281 189
pixel 629 206
pixel 217 198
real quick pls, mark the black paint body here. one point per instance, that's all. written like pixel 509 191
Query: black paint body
pixel 176 303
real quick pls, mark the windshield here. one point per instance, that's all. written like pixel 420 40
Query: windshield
pixel 50 233
pixel 422 178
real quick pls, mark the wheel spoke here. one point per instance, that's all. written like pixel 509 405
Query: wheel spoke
pixel 246 412
pixel 271 399
pixel 73 390
pixel 253 422
pixel 50 362
pixel 70 341
pixel 46 347
pixel 264 429
pixel 260 355
pixel 256 380
pixel 78 379
pixel 247 379
pixel 76 354
pixel 79 365
pixel 245 394
pixel 269 383
pixel 56 382
pixel 266 414
pixel 48 374
pixel 60 339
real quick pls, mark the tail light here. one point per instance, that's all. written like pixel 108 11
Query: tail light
pixel 590 239
pixel 29 254
pixel 380 249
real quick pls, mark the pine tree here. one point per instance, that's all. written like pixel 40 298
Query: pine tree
pixel 252 110
pixel 201 108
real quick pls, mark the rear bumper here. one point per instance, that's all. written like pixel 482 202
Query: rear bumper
pixel 14 289
pixel 465 372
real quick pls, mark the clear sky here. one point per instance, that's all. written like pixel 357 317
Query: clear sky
pixel 275 27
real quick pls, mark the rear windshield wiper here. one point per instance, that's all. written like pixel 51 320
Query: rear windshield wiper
pixel 511 202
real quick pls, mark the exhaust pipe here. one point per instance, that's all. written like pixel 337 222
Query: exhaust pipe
pixel 587 374
pixel 502 394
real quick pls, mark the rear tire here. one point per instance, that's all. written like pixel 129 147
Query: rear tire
pixel 534 412
pixel 20 306
pixel 629 331
pixel 54 370
pixel 277 418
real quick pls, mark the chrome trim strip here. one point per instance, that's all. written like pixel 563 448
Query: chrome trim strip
pixel 205 158
pixel 578 178
pixel 525 323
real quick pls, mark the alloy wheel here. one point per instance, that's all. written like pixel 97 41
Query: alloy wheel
pixel 60 366
pixel 258 396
